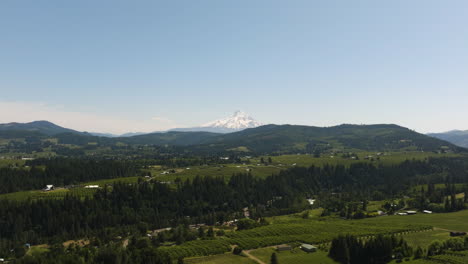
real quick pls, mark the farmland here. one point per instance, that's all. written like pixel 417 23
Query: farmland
pixel 54 194
pixel 417 230
pixel 227 258
pixel 295 256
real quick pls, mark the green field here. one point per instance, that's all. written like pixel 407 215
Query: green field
pixel 11 162
pixel 227 258
pixel 424 238
pixel 451 221
pixel 295 256
pixel 112 181
pixel 55 194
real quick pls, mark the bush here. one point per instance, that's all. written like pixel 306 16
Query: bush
pixel 237 251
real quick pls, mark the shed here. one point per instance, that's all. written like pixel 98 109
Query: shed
pixel 308 248
pixel 284 248
pixel 457 233
pixel 427 212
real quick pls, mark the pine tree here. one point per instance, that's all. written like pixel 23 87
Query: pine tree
pixel 210 232
pixel 273 259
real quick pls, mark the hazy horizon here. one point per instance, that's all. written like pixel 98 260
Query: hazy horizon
pixel 117 67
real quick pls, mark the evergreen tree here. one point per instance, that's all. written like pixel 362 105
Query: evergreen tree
pixel 273 259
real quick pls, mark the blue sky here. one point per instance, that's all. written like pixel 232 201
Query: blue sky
pixel 117 66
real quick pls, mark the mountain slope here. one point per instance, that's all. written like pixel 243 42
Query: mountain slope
pixel 43 127
pixel 457 137
pixel 174 138
pixel 272 139
pixel 291 138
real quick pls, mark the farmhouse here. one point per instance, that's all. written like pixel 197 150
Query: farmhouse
pixel 308 248
pixel 49 187
pixel 283 248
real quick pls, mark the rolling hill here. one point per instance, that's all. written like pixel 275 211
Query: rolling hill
pixel 293 138
pixel 274 139
pixel 43 127
pixel 457 137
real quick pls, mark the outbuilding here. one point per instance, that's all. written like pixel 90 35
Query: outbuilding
pixel 48 187
pixel 283 248
pixel 308 248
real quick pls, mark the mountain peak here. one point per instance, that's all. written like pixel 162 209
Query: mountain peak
pixel 238 121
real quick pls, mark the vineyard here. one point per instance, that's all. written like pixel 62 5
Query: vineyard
pixel 313 232
pixel 419 230
pixel 198 248
pixel 287 230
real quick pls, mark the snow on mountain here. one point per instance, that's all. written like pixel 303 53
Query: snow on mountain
pixel 238 121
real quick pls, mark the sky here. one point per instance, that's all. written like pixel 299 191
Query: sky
pixel 127 66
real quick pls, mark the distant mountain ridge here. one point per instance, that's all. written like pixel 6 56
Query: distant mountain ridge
pixel 457 137
pixel 274 139
pixel 42 126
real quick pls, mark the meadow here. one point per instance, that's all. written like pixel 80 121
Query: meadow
pixel 54 194
pixel 295 256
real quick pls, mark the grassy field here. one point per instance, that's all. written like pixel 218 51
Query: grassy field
pixel 111 181
pixel 227 258
pixel 450 221
pixel 38 249
pixel 425 238
pixel 55 194
pixel 295 256
pixel 11 162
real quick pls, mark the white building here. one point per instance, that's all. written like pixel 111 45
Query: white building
pixel 49 187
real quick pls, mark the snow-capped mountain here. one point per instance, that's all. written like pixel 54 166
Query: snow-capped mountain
pixel 238 121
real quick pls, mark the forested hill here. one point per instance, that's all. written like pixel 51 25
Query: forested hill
pixel 290 138
pixel 271 139
pixel 43 127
